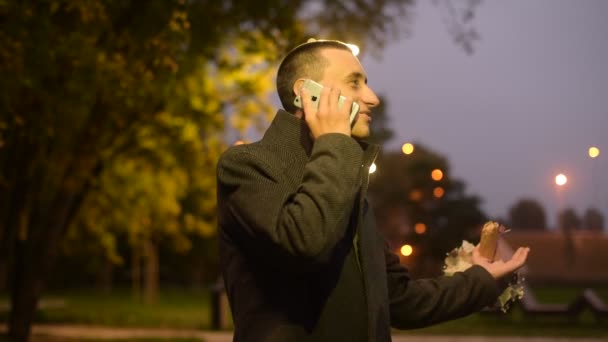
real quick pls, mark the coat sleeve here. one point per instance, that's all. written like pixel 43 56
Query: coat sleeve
pixel 424 302
pixel 274 221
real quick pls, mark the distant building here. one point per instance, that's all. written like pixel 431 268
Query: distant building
pixel 578 258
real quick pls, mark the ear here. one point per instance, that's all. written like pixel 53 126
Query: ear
pixel 297 85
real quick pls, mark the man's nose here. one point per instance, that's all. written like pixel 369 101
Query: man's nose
pixel 370 98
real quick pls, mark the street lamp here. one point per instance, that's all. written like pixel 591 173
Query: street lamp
pixel 561 179
pixel 420 228
pixel 407 148
pixel 437 175
pixel 406 250
pixel 438 192
pixel 594 152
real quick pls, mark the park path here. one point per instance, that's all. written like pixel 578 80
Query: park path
pixel 100 332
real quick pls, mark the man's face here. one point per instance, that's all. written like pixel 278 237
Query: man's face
pixel 345 72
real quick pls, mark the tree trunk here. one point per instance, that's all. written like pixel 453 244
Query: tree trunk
pixel 22 302
pixel 151 276
pixel 104 276
pixel 3 274
pixel 33 261
pixel 136 272
pixel 35 253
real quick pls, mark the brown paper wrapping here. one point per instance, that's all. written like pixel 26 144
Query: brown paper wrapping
pixel 489 240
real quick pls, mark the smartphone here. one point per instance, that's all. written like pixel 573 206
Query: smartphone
pixel 314 89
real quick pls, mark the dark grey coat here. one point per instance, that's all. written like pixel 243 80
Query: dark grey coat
pixel 301 257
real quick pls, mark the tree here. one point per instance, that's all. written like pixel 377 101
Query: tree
pixel 527 214
pixel 95 93
pixel 568 220
pixel 593 220
pixel 416 203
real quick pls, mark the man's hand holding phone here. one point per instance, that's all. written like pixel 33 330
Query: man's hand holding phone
pixel 325 111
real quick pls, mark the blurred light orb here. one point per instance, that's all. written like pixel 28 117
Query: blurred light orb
pixel 407 148
pixel 354 48
pixel 420 228
pixel 415 195
pixel 438 192
pixel 561 179
pixel 594 152
pixel 406 250
pixel 238 142
pixel 437 175
pixel 372 168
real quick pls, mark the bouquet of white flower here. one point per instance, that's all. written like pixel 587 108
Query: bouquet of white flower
pixel 461 258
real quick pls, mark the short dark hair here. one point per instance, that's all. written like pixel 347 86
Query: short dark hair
pixel 304 61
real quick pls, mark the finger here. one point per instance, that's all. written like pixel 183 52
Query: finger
pixel 518 259
pixel 348 104
pixel 324 99
pixel 521 254
pixel 334 96
pixel 307 104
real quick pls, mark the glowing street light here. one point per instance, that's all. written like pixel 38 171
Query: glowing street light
pixel 438 192
pixel 420 228
pixel 561 179
pixel 594 152
pixel 372 168
pixel 407 148
pixel 406 250
pixel 437 175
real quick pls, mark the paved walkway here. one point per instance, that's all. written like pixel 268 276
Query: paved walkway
pixel 99 332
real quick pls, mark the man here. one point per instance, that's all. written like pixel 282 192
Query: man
pixel 302 259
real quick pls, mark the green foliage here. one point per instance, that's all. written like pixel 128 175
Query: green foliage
pixel 113 102
pixel 113 115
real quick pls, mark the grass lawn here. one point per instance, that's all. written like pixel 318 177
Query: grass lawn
pixel 191 310
pixel 174 309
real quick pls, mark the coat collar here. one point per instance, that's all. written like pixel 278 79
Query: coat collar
pixel 293 133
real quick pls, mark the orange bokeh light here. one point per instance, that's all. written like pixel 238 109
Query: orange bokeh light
pixel 415 195
pixel 420 228
pixel 438 192
pixel 437 175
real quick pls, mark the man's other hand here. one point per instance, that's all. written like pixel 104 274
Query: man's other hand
pixel 500 268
